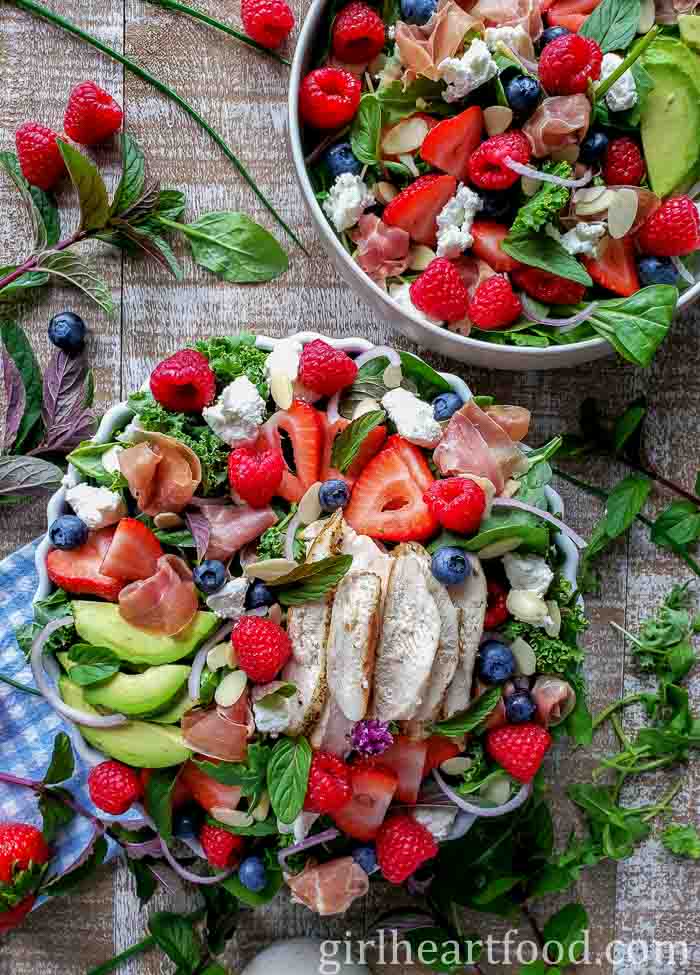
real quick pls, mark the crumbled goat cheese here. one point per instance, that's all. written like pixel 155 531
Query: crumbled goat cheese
pixel 529 572
pixel 439 822
pixel 455 222
pixel 510 36
pixel 581 239
pixel 110 459
pixel 463 75
pixel 229 602
pixel 349 197
pixel 412 417
pixel 237 414
pixel 623 94
pixel 284 358
pixel 96 506
pixel 401 293
pixel 300 828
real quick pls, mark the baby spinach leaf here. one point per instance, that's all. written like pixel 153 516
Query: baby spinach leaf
pixel 547 254
pixel 55 814
pixel 159 798
pixel 92 664
pixel 636 326
pixel 62 763
pixel 679 523
pixel 566 929
pixel 311 580
pixel 87 458
pixel 347 444
pixel 17 348
pixel 133 175
pixel 91 189
pixel 613 24
pixel 288 776
pixel 232 246
pixel 625 502
pixel 499 526
pixel 175 935
pixel 398 103
pixel 366 129
pixel 274 883
pixel 477 712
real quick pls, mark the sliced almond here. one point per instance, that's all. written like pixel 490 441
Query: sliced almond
pixel 598 204
pixel 219 656
pixel 420 256
pixel 410 163
pixel 456 766
pixel 310 507
pixel 168 519
pixel 407 136
pixel 275 614
pixel 530 185
pixel 384 192
pixel 366 405
pixel 230 689
pixel 232 817
pixel 497 118
pixel 392 377
pixel 552 626
pixel 566 154
pixel 282 390
pixel 647 16
pixel 622 212
pixel 497 790
pixel 262 809
pixel 524 655
pixel 496 549
pixel 270 569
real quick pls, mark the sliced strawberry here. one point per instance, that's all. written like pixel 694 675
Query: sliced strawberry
pixel 79 570
pixel 451 142
pixel 205 790
pixel 415 209
pixel 569 8
pixel 487 245
pixel 440 749
pixel 387 502
pixel 407 757
pixel 133 553
pixel 615 268
pixel 414 458
pixel 305 427
pixel 373 788
pixel 572 22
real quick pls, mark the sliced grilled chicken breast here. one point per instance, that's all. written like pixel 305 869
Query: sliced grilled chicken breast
pixel 470 600
pixel 352 643
pixel 332 730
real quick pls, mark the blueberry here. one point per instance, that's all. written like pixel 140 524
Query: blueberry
pixel 551 34
pixel 67 331
pixel 333 494
pixel 522 93
pixel 450 566
pixel 341 159
pixel 496 662
pixel 366 856
pixel 252 874
pixel 495 206
pixel 593 147
pixel 417 11
pixel 520 707
pixel 259 595
pixel 187 821
pixel 210 576
pixel 68 532
pixel 446 404
pixel 657 270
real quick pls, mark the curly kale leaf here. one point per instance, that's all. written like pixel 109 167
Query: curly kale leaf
pixel 553 655
pixel 544 206
pixel 234 356
pixel 271 544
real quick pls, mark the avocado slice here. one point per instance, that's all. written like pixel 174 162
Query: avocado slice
pixel 689 26
pixel 671 116
pixel 139 694
pixel 174 712
pixel 137 743
pixel 102 625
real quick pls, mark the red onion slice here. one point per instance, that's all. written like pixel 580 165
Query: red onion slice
pixel 682 270
pixel 289 537
pixel 332 410
pixel 198 664
pixel 192 878
pixel 52 696
pixel 533 173
pixel 544 515
pixel 531 66
pixel 531 312
pixel 307 844
pixel 149 848
pixel 248 554
pixel 484 811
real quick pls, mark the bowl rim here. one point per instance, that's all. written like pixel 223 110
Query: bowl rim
pixel 303 46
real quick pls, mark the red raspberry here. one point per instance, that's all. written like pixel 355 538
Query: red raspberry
pixel 403 845
pixel 20 845
pixel 14 917
pixel 440 291
pixel 329 787
pixel 39 157
pixel 672 230
pixel 255 474
pixel 546 287
pixel 325 369
pixel 568 63
pixel 496 609
pixel 262 648
pixel 92 114
pixel 183 382
pixel 486 166
pixel 519 748
pixel 624 163
pixel 494 304
pixel 458 503
pixel 221 848
pixel 329 98
pixel 269 22
pixel 114 787
pixel 358 34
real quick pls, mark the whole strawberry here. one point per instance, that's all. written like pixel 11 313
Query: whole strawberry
pixel 519 748
pixel 255 474
pixel 92 115
pixel 569 63
pixel 358 33
pixel 269 22
pixel 183 382
pixel 623 164
pixel 262 648
pixel 39 157
pixel 329 787
pixel 403 845
pixel 494 304
pixel 324 369
pixel 440 291
pixel 114 787
pixel 22 848
pixel 221 848
pixel 672 230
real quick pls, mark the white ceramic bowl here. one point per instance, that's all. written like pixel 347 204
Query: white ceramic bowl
pixel 433 337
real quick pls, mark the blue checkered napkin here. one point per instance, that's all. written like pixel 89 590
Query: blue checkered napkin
pixel 28 725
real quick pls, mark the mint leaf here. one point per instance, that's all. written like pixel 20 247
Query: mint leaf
pixel 16 290
pixel 55 814
pixel 613 24
pixel 347 444
pixel 133 176
pixel 80 273
pixel 159 798
pixel 366 130
pixel 679 523
pixel 477 712
pixel 22 478
pixel 683 841
pixel 233 247
pixel 93 664
pixel 547 254
pixel 311 580
pixel 636 326
pixel 628 425
pixel 250 776
pixel 42 207
pixel 566 929
pixel 62 763
pixel 545 205
pixel 625 502
pixel 288 776
pixel 144 878
pixel 175 935
pixel 91 189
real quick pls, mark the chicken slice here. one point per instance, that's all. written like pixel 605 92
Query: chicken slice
pixel 352 643
pixel 332 731
pixel 470 599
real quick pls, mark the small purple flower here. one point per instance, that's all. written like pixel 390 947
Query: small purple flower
pixel 371 737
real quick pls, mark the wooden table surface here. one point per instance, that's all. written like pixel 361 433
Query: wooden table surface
pixel 650 897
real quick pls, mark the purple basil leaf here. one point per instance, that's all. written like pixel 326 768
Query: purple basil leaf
pixel 201 530
pixel 66 421
pixel 16 400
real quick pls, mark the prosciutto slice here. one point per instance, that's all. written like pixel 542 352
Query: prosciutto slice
pixel 514 420
pixel 555 699
pixel 164 603
pixel 209 733
pixel 233 526
pixel 163 473
pixel 330 888
pixel 474 443
pixel 424 48
pixel 382 251
pixel 559 121
pixel 510 13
